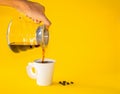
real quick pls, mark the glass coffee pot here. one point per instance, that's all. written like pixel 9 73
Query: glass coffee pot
pixel 24 34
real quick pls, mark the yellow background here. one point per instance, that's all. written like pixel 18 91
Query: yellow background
pixel 84 41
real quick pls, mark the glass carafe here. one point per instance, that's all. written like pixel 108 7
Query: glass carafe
pixel 24 34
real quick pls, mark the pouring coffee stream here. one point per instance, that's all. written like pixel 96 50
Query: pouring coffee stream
pixel 26 36
pixel 43 54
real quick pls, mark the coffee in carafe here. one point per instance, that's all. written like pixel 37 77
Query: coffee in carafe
pixel 17 47
pixel 23 40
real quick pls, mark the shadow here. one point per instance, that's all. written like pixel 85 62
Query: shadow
pixel 55 84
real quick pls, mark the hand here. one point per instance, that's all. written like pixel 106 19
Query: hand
pixel 34 11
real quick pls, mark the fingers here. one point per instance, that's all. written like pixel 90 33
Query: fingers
pixel 43 19
pixel 36 21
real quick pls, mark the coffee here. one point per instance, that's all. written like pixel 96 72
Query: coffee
pixel 43 55
pixel 17 47
pixel 45 61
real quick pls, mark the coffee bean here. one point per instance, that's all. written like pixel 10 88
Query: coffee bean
pixel 60 82
pixel 72 82
pixel 63 84
pixel 64 81
pixel 68 83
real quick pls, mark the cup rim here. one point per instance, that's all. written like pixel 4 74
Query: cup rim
pixel 46 59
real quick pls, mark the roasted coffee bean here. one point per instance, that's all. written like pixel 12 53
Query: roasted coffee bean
pixel 64 81
pixel 63 84
pixel 60 82
pixel 68 83
pixel 72 82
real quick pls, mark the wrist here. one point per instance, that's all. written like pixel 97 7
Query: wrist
pixel 13 3
pixel 21 5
